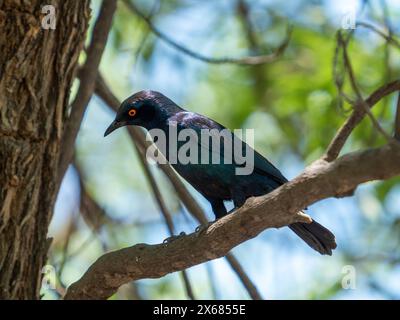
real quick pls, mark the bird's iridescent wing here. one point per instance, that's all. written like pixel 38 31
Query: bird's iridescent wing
pixel 198 122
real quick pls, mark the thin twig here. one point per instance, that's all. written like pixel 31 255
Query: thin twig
pixel 388 37
pixel 212 281
pixel 338 74
pixel 249 60
pixel 386 16
pixel 388 24
pixel 355 118
pixel 397 122
pixel 255 295
pixel 145 36
pixel 344 132
pixel 388 75
pixel 243 12
pixel 360 100
pixel 87 84
pixel 64 255
pixel 91 211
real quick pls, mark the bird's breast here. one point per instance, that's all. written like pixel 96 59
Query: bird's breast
pixel 210 180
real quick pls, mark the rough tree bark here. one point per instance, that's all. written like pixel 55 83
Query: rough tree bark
pixel 37 68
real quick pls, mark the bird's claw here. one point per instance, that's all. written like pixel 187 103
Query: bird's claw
pixel 173 238
pixel 203 227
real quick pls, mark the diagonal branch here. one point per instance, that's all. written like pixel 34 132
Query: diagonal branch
pixel 87 83
pixel 397 121
pixel 249 60
pixel 92 213
pixel 243 11
pixel 279 208
pixel 387 37
pixel 356 117
pixel 360 100
pixel 238 269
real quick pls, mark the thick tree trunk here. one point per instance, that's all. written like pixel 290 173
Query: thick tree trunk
pixel 37 67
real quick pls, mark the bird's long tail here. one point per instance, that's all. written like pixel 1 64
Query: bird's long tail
pixel 316 236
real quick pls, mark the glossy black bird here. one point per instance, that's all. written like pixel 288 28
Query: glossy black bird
pixel 216 182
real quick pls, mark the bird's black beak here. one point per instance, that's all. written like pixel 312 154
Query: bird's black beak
pixel 114 126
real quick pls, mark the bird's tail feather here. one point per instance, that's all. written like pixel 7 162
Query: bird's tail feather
pixel 316 236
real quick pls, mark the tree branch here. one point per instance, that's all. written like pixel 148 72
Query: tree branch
pixel 360 100
pixel 279 208
pixel 249 60
pixel 388 37
pixel 242 275
pixel 243 11
pixel 356 117
pixel 397 121
pixel 87 83
pixel 92 213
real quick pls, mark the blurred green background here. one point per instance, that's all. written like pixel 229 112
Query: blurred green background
pixel 294 107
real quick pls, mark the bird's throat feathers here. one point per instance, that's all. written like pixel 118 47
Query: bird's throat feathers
pixel 163 115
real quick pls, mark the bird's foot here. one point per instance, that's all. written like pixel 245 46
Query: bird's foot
pixel 173 238
pixel 203 227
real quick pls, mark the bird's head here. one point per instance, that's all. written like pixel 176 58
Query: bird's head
pixel 141 109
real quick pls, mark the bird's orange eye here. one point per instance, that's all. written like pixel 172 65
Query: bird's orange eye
pixel 132 112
